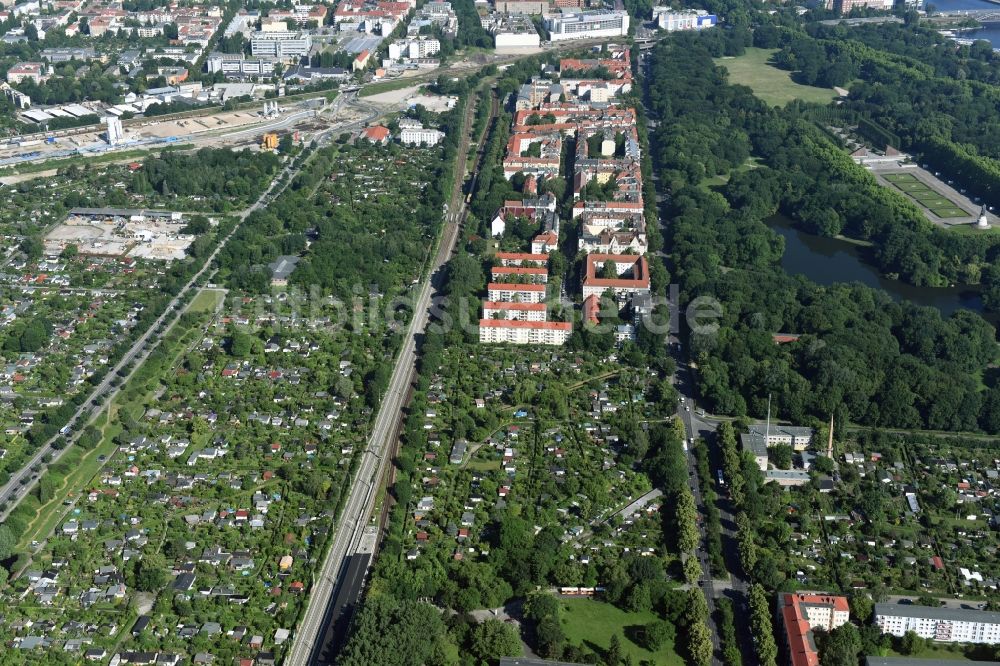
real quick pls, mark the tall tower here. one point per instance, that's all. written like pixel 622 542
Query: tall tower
pixel 829 443
pixel 983 222
pixel 115 133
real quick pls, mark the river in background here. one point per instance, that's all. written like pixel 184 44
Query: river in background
pixel 989 31
pixel 827 261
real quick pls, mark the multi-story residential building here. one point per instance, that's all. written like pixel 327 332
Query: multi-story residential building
pixel 300 15
pixel 586 25
pixel 511 31
pixel 518 311
pixel 845 6
pixel 545 243
pixel 520 274
pixel 607 241
pixel 35 71
pixel 541 209
pixel 65 54
pixel 519 332
pixel 434 13
pixel 522 6
pixel 800 613
pixel 238 65
pixel 945 625
pixel 415 136
pixel 280 44
pixel 417 47
pixel 672 20
pixel 520 293
pixel 539 155
pixel 632 275
pixel 522 259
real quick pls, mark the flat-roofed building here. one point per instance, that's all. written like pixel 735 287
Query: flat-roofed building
pixel 280 44
pixel 585 25
pixel 944 625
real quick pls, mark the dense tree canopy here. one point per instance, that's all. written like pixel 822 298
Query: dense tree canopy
pixel 861 355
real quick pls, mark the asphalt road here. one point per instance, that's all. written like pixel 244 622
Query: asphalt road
pixel 362 494
pixel 23 480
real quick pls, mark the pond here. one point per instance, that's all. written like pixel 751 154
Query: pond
pixel 830 260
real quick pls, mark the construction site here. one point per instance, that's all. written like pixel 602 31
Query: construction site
pixel 231 128
pixel 120 232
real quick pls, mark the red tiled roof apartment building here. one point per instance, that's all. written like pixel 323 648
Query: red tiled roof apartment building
pixel 801 613
pixel 524 332
pixel 521 274
pixel 514 311
pixel 522 259
pixel 633 275
pixel 521 293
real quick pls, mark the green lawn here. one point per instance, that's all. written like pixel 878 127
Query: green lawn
pixel 935 652
pixel 900 177
pixel 86 465
pixel 591 622
pixel 773 85
pixel 912 186
pixel 941 206
pixel 950 211
pixel 389 86
pixel 206 300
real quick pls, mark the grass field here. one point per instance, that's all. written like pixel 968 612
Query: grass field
pixel 935 652
pixel 86 465
pixel 592 622
pixel 950 212
pixel 923 194
pixel 773 85
pixel 389 86
pixel 206 300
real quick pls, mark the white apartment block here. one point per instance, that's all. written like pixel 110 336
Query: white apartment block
pixel 517 311
pixel 585 25
pixel 519 293
pixel 236 64
pixel 524 332
pixel 672 20
pixel 284 45
pixel 422 47
pixel 945 625
pixel 525 274
pixel 416 136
